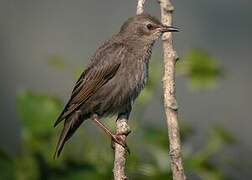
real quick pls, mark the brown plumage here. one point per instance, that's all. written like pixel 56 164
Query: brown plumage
pixel 115 76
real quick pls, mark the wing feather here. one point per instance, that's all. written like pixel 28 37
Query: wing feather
pixel 91 80
pixel 87 89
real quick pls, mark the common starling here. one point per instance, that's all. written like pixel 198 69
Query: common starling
pixel 117 73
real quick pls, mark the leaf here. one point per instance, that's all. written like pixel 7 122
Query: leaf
pixel 38 112
pixel 201 70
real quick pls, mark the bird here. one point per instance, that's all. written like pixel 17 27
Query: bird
pixel 113 79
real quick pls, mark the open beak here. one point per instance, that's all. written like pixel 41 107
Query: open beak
pixel 168 29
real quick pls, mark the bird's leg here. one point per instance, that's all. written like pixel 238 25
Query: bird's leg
pixel 114 137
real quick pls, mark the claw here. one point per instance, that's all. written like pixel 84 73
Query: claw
pixel 123 133
pixel 118 139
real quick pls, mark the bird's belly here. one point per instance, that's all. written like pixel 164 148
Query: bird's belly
pixel 131 83
pixel 135 79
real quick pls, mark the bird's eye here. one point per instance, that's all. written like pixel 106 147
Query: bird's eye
pixel 149 26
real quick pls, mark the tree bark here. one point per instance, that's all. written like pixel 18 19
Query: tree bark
pixel 120 153
pixel 170 102
pixel 122 127
pixel 140 6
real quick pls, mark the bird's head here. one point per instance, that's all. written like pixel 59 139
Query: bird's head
pixel 144 28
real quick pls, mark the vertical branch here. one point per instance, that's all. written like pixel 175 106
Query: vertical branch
pixel 120 154
pixel 170 103
pixel 140 6
pixel 122 127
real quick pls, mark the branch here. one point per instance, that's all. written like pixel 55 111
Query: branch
pixel 122 127
pixel 170 103
pixel 140 6
pixel 120 154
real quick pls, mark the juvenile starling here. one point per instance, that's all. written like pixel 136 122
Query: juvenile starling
pixel 117 73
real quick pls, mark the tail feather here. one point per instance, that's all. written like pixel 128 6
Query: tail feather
pixel 61 116
pixel 63 138
pixel 70 126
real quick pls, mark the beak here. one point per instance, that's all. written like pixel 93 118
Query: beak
pixel 168 29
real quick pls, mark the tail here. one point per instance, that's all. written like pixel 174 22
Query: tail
pixel 70 126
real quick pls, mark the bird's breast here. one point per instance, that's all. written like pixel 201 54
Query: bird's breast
pixel 137 75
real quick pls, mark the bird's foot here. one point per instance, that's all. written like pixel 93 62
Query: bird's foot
pixel 119 139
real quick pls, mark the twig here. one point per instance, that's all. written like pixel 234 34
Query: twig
pixel 120 154
pixel 140 6
pixel 170 103
pixel 122 127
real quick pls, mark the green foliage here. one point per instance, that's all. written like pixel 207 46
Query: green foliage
pixel 26 167
pixel 6 166
pixel 200 162
pixel 200 68
pixel 38 112
pixel 87 159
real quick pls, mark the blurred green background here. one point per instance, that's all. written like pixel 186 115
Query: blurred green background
pixel 46 44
